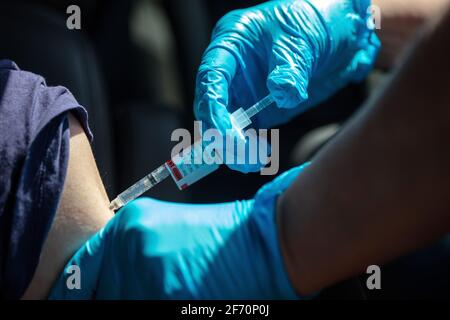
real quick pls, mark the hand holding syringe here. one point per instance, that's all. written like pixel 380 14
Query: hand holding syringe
pixel 186 174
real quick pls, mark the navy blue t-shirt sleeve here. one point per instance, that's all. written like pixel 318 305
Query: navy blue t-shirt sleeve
pixel 34 153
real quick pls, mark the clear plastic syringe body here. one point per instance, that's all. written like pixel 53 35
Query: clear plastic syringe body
pixel 184 172
pixel 137 189
pixel 240 119
pixel 259 106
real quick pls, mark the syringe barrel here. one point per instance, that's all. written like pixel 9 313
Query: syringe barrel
pixel 142 185
pixel 259 106
pixel 135 190
pixel 183 167
pixel 192 165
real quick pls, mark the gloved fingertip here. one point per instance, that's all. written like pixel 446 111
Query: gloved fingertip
pixel 242 168
pixel 221 119
pixel 246 155
pixel 364 59
pixel 287 88
pixel 211 100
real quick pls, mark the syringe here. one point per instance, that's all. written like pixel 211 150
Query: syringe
pixel 185 172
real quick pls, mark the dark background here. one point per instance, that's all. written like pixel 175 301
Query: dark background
pixel 133 66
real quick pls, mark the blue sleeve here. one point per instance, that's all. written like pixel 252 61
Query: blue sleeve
pixel 34 152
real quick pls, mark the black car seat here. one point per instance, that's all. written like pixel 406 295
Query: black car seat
pixel 131 129
pixel 37 39
pixel 143 118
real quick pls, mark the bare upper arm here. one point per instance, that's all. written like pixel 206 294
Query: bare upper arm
pixel 83 210
pixel 379 190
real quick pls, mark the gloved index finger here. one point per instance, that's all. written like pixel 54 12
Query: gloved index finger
pixel 215 74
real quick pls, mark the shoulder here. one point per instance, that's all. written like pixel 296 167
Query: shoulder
pixel 27 102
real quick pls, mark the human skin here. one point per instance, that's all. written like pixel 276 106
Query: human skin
pixel 83 210
pixel 380 188
pixel 400 23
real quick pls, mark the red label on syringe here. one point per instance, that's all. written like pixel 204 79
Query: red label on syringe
pixel 191 165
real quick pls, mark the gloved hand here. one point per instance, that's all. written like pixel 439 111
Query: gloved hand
pixel 299 51
pixel 158 250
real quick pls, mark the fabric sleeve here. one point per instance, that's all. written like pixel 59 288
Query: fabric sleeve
pixel 34 153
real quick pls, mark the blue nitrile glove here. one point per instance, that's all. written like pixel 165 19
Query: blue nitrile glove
pixel 159 250
pixel 299 51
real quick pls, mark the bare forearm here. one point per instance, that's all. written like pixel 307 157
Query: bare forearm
pixel 380 189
